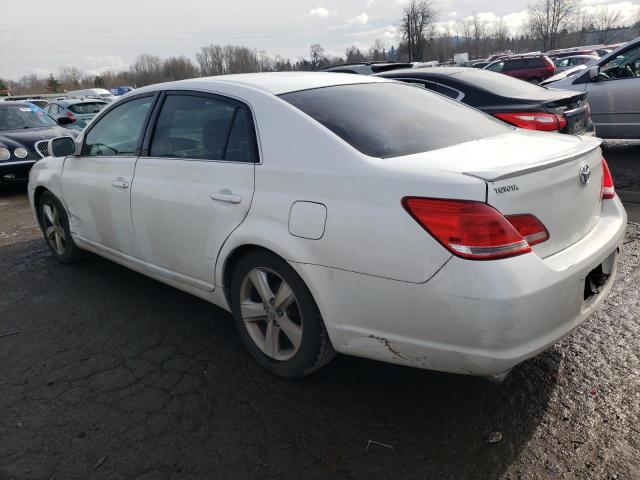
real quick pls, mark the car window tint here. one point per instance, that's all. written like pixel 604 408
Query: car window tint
pixel 241 145
pixel 88 107
pixel 118 132
pixel 414 120
pixel 496 67
pixel 192 127
pixel 446 91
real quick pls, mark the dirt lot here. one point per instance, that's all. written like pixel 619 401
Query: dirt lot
pixel 107 374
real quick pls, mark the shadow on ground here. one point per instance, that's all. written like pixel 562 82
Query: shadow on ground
pixel 108 374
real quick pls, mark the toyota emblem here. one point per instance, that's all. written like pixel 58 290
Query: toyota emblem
pixel 585 174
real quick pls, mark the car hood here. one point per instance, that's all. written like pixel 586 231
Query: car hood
pixel 29 136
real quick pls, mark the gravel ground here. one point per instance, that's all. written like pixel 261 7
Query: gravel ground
pixel 107 374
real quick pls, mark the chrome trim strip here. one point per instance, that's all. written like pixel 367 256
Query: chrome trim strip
pixel 21 162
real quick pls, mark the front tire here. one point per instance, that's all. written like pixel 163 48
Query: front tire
pixel 277 318
pixel 55 227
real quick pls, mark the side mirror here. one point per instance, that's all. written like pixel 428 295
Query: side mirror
pixel 594 72
pixel 62 147
pixel 62 121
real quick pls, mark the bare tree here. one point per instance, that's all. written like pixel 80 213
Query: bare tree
pixel 606 20
pixel 317 56
pixel 548 18
pixel 147 69
pixel 478 31
pixel 417 28
pixel 69 77
pixel 377 52
pixel 178 68
pixel 500 34
pixel 354 55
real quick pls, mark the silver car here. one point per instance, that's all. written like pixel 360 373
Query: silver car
pixel 613 87
pixel 80 110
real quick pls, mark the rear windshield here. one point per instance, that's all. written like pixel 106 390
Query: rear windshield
pixel 87 107
pixel 393 119
pixel 497 83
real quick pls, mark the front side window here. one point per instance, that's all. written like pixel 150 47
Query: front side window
pixel 203 128
pixel 393 119
pixel 119 131
pixel 625 65
pixel 496 67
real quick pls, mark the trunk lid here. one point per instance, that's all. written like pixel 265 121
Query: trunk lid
pixel 535 173
pixel 554 190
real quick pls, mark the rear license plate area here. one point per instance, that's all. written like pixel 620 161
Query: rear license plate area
pixel 597 278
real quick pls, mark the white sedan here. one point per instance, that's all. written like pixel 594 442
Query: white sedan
pixel 342 213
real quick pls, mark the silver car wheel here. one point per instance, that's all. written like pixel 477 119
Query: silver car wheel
pixel 53 229
pixel 271 313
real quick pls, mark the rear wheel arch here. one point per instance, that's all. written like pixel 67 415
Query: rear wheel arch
pixel 36 199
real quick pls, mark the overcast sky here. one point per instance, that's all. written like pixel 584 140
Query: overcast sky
pixel 38 36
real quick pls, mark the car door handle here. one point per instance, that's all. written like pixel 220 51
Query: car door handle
pixel 119 183
pixel 226 197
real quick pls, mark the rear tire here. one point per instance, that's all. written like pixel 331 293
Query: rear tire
pixel 277 318
pixel 55 227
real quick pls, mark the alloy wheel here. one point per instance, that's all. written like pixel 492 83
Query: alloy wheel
pixel 53 229
pixel 271 313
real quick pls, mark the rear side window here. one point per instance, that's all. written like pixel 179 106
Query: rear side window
pixel 203 128
pixel 88 107
pixel 393 119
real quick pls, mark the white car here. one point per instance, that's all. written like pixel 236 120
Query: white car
pixel 333 212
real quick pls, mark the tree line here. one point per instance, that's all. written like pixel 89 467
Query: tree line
pixel 551 24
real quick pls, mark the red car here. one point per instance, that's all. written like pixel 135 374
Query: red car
pixel 531 68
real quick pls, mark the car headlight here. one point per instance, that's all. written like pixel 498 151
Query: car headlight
pixel 20 152
pixel 4 154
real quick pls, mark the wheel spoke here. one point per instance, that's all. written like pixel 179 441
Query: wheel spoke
pixel 50 231
pixel 253 311
pixel 292 331
pixel 61 233
pixel 271 343
pixel 48 212
pixel 284 297
pixel 59 245
pixel 259 280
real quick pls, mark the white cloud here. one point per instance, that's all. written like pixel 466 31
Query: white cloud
pixel 95 65
pixel 39 72
pixel 361 19
pixel 628 11
pixel 319 12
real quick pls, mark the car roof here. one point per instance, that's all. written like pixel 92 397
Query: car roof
pixel 13 103
pixel 276 83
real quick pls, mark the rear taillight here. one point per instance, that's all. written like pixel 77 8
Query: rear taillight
pixel 531 229
pixel 547 122
pixel 475 230
pixel 608 190
pixel 71 116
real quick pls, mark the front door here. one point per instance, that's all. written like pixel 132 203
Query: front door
pixel 614 96
pixel 96 184
pixel 195 186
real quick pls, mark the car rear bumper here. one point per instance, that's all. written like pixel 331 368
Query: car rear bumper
pixel 15 171
pixel 472 317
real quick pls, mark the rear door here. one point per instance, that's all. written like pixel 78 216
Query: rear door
pixel 96 184
pixel 194 184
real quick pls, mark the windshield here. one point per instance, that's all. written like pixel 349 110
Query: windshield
pixel 393 119
pixel 497 83
pixel 24 116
